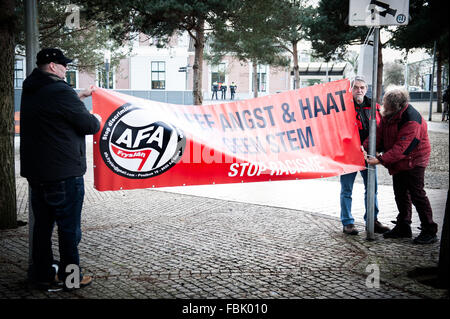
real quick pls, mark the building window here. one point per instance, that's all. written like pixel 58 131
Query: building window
pixel 158 75
pixel 18 73
pixel 71 78
pixel 262 78
pixel 105 79
pixel 218 73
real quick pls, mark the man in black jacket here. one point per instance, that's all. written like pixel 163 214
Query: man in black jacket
pixel 362 108
pixel 54 122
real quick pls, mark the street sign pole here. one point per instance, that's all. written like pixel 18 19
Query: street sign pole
pixel 370 218
pixel 32 48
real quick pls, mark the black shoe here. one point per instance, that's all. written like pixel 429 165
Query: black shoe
pixel 51 286
pixel 379 228
pixel 425 238
pixel 350 230
pixel 401 230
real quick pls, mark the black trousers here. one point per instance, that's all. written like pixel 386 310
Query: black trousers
pixel 408 190
pixel 57 203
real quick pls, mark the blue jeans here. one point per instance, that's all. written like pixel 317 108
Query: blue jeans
pixel 60 203
pixel 347 182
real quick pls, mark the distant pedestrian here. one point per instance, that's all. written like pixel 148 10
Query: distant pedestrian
pixel 445 99
pixel 53 125
pixel 223 88
pixel 362 107
pixel 402 140
pixel 215 88
pixel 233 88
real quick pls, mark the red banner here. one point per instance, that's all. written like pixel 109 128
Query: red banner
pixel 299 134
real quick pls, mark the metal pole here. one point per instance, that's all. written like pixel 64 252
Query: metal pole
pixel 407 76
pixel 432 83
pixel 107 73
pixel 32 48
pixel 372 142
pixel 31 35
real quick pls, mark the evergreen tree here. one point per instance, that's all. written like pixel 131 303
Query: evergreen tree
pixel 331 35
pixel 161 20
pixel 86 44
pixel 292 18
pixel 428 24
pixel 250 35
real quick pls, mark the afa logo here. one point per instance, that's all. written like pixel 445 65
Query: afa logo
pixel 135 144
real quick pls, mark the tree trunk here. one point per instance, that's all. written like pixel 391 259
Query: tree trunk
pixel 198 62
pixel 439 81
pixel 255 79
pixel 296 69
pixel 379 73
pixel 8 213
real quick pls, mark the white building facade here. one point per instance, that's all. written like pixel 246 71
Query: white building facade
pixel 150 68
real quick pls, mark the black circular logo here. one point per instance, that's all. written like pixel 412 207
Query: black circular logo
pixel 401 18
pixel 135 144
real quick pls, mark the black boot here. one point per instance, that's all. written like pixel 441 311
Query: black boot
pixel 401 230
pixel 426 236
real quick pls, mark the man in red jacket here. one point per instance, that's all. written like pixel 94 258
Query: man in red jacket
pixel 403 138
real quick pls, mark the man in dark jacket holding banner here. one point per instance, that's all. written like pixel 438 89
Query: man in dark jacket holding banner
pixel 404 149
pixel 362 107
pixel 54 122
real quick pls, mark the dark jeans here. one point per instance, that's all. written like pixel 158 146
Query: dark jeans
pixel 409 189
pixel 60 203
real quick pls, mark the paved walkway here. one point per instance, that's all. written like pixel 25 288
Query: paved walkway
pixel 272 240
pixel 159 244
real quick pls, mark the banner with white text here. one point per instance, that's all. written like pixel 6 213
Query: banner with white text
pixel 299 134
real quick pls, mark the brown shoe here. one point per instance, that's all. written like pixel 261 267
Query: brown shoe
pixel 85 281
pixel 350 230
pixel 379 228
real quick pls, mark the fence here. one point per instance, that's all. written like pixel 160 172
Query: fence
pixel 173 97
pixel 414 96
pixel 181 97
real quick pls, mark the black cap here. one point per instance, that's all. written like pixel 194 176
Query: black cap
pixel 48 55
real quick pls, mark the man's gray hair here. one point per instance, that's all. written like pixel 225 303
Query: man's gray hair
pixel 396 98
pixel 358 78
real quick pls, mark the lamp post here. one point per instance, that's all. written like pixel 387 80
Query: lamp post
pixel 107 67
pixel 432 83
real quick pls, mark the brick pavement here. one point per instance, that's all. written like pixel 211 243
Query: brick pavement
pixel 156 244
pixel 319 196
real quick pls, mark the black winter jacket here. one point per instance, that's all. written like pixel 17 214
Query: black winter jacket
pixel 363 117
pixel 53 125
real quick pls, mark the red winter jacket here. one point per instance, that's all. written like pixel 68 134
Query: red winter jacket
pixel 404 140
